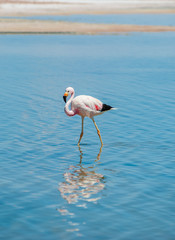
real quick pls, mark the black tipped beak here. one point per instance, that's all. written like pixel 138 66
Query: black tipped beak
pixel 64 97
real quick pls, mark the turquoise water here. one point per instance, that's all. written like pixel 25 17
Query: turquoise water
pixel 51 189
pixel 138 19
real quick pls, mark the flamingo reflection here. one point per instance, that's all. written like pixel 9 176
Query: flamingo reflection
pixel 82 183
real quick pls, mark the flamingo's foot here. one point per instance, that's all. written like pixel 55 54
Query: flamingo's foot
pixel 98 132
pixel 81 135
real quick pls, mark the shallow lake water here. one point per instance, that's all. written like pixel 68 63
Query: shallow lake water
pixel 138 19
pixel 52 189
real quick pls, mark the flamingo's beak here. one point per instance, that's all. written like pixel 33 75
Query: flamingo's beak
pixel 65 96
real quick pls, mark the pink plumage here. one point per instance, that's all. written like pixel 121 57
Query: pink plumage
pixel 85 106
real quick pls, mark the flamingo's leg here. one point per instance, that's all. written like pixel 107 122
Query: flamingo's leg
pixel 98 131
pixel 81 135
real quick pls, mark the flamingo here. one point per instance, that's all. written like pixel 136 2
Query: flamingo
pixel 85 106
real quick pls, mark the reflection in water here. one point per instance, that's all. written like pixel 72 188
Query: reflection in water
pixel 82 183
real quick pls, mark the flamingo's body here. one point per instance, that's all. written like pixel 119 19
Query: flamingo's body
pixel 85 106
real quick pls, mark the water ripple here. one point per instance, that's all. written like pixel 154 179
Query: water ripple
pixel 51 189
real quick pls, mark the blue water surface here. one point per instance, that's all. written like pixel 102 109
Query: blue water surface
pixel 138 19
pixel 52 189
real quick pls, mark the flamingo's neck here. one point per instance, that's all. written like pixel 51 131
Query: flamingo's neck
pixel 70 113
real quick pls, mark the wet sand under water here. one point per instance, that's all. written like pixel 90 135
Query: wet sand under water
pixel 40 26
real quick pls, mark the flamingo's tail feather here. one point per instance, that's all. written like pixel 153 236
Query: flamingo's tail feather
pixel 106 107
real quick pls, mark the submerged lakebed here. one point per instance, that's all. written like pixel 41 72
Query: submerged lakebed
pixel 136 19
pixel 50 188
pixel 88 24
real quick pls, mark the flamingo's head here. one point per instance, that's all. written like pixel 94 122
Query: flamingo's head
pixel 69 91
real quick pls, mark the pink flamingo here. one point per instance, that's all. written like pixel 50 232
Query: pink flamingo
pixel 85 106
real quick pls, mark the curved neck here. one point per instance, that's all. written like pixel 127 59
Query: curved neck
pixel 70 113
